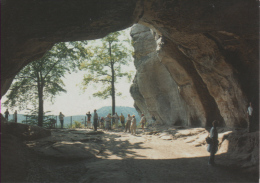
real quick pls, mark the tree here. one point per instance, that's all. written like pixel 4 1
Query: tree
pixel 42 79
pixel 105 64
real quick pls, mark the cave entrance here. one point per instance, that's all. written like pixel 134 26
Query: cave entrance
pixel 88 85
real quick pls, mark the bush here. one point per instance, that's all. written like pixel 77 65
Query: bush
pixel 76 124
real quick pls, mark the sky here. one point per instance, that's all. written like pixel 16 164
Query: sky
pixel 77 102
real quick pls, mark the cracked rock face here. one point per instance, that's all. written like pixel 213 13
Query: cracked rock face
pixel 189 83
pixel 182 85
pixel 197 61
pixel 154 90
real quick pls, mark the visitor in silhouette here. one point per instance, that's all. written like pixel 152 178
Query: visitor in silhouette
pixel 143 120
pixel 15 116
pixel 88 120
pixel 6 114
pixel 213 146
pixel 98 124
pixel 61 117
pixel 52 123
pixel 102 120
pixel 250 116
pixel 154 120
pixel 133 125
pixel 128 123
pixel 95 120
pixel 122 120
pixel 116 117
pixel 108 122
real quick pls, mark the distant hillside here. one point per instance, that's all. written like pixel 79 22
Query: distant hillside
pixel 102 112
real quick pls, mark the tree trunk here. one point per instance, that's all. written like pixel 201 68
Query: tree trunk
pixel 40 85
pixel 113 93
pixel 40 112
pixel 113 82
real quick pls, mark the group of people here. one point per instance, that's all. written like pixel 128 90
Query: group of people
pixel 105 122
pixel 130 126
pixel 7 114
pixel 96 119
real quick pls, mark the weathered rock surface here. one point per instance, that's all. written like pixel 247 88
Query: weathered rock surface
pixel 66 150
pixel 189 82
pixel 119 156
pixel 68 144
pixel 13 159
pixel 25 132
pixel 154 90
pixel 237 148
pixel 207 51
pixel 242 150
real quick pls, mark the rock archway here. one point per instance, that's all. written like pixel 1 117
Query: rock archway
pixel 206 51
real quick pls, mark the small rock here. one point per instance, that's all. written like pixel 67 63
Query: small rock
pixel 94 133
pixel 151 133
pixel 169 137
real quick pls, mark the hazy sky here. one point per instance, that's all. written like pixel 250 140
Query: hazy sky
pixel 76 102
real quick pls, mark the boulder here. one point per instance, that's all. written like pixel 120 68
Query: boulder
pixel 242 150
pixel 25 132
pixel 67 150
pixel 14 159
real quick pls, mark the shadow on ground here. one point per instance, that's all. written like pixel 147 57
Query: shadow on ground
pixel 137 170
pixel 77 156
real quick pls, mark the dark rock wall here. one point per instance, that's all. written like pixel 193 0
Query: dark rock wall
pixel 211 54
pixel 207 50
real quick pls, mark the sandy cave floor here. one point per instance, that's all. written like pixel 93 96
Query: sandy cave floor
pixel 161 154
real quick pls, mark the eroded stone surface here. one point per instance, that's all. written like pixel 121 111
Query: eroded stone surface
pixel 25 132
pixel 189 82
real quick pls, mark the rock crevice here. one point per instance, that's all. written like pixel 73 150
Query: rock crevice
pixel 188 83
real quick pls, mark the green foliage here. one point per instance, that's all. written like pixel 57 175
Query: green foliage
pixel 76 124
pixel 105 64
pixel 46 74
pixel 32 119
pixel 42 79
pixel 105 61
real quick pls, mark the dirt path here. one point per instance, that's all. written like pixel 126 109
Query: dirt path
pixel 83 156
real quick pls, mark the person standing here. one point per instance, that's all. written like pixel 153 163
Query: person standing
pixel 116 120
pixel 61 117
pixel 133 125
pixel 128 123
pixel 143 120
pixel 250 117
pixel 122 120
pixel 154 120
pixel 108 122
pixel 102 120
pixel 15 116
pixel 98 124
pixel 213 146
pixel 88 120
pixel 95 120
pixel 6 114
